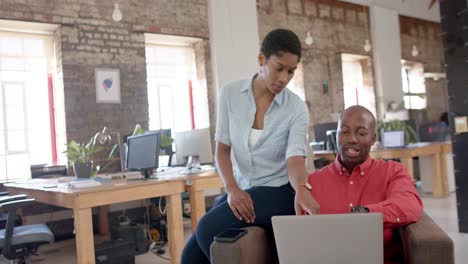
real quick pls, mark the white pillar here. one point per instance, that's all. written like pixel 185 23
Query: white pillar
pixel 234 39
pixel 386 47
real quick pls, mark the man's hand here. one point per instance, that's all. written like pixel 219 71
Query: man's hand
pixel 304 202
pixel 241 204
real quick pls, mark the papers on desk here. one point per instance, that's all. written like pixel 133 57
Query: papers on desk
pixel 83 183
pixel 177 172
pixel 418 144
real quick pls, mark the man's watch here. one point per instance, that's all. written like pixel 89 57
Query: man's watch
pixel 307 186
pixel 359 209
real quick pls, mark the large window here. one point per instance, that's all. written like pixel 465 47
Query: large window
pixel 177 98
pixel 25 123
pixel 296 85
pixel 358 88
pixel 414 88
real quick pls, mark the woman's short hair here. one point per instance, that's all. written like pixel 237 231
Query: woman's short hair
pixel 281 40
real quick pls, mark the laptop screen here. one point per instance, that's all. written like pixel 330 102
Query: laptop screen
pixel 393 139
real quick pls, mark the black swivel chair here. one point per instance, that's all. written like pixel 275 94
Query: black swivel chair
pixel 46 171
pixel 433 132
pixel 16 243
pixel 331 138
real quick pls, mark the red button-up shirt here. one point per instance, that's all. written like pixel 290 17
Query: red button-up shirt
pixel 383 187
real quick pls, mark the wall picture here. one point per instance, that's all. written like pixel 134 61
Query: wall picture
pixel 107 85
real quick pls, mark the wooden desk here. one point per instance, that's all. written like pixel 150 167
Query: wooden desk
pixel 82 200
pixel 434 151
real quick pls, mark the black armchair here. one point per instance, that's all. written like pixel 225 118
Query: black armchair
pixel 18 242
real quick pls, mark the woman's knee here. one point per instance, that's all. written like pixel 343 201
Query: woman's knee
pixel 206 227
pixel 213 223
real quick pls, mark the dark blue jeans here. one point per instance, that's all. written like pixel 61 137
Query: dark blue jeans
pixel 268 201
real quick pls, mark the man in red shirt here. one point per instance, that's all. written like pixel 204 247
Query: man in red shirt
pixel 357 183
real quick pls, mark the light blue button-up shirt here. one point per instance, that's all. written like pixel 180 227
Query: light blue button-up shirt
pixel 284 134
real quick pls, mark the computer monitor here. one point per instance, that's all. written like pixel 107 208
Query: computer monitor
pixel 143 153
pixel 193 148
pixel 393 139
pixel 320 130
pixel 168 150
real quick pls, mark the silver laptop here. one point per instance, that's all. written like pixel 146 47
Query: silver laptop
pixel 337 238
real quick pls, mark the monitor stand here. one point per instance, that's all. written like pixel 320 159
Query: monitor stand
pixel 192 166
pixel 147 173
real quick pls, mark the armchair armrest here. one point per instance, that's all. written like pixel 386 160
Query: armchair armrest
pixel 425 242
pixel 6 199
pixel 255 247
pixel 9 205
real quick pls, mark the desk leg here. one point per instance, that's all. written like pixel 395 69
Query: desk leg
pixel 84 235
pixel 439 178
pixel 197 207
pixel 103 219
pixel 408 163
pixel 175 227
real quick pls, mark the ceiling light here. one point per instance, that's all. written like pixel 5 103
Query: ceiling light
pixel 116 14
pixel 367 46
pixel 414 51
pixel 309 40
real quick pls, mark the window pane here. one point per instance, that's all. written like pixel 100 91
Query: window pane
pixel 24 84
pixel 12 64
pixel 166 105
pixel 12 76
pixel 15 117
pixel 33 47
pixel 415 102
pixel 1 108
pixel 16 141
pixel 13 94
pixel 153 106
pixel 2 168
pixel 11 46
pixel 2 143
pixel 18 166
pixel 404 77
pixel 36 65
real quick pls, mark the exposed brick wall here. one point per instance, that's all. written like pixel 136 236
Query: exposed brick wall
pixel 88 38
pixel 426 36
pixel 336 27
pixel 339 27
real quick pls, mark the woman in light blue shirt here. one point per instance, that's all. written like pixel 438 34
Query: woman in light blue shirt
pixel 265 125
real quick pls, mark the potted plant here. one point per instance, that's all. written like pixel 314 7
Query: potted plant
pixel 80 155
pixel 397 125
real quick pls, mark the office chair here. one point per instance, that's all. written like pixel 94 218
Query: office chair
pixel 45 171
pixel 331 137
pixel 17 243
pixel 433 132
pixel 320 130
pixel 4 215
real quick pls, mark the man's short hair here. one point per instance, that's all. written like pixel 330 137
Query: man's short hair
pixel 365 110
pixel 281 40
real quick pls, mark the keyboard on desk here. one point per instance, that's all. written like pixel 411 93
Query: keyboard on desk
pixel 129 175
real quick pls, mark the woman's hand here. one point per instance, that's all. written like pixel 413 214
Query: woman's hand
pixel 241 204
pixel 305 203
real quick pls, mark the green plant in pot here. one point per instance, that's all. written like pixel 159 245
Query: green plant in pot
pixel 397 125
pixel 80 155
